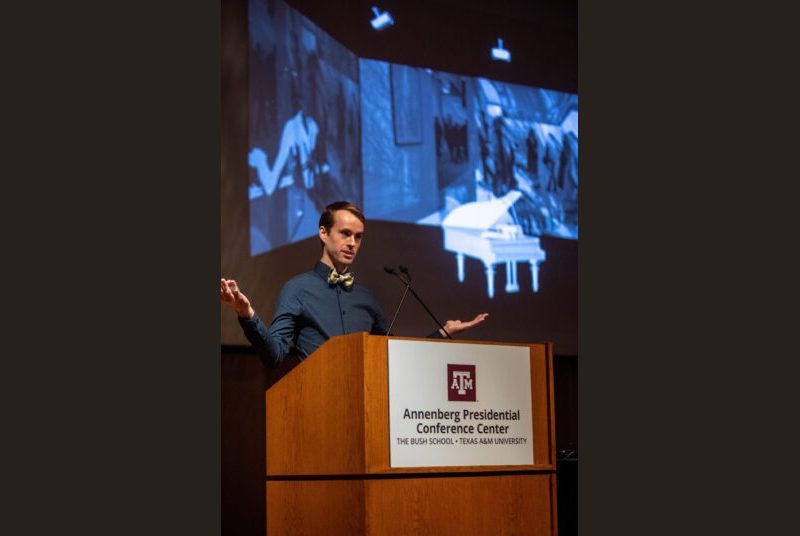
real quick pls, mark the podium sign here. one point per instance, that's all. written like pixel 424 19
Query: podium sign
pixel 453 404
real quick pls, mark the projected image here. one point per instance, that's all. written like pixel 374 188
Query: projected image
pixel 398 143
pixel 528 143
pixel 434 141
pixel 304 131
pixel 493 164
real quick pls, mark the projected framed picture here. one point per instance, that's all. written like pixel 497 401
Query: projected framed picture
pixel 406 98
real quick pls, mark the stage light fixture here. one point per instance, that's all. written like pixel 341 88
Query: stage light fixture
pixel 381 20
pixel 499 53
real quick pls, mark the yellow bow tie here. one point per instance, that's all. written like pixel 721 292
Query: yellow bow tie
pixel 346 280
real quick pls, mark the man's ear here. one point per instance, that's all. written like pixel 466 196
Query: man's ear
pixel 323 232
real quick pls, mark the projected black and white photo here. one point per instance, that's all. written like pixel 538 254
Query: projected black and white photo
pixel 528 143
pixel 493 164
pixel 461 140
pixel 304 131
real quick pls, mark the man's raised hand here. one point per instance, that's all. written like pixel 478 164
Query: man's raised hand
pixel 234 298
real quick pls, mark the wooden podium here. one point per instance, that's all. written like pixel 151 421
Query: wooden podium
pixel 328 465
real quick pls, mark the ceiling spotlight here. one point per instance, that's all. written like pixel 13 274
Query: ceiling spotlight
pixel 381 20
pixel 499 53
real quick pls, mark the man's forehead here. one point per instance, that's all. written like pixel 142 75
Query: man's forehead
pixel 345 218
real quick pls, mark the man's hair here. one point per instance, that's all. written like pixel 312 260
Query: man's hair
pixel 326 218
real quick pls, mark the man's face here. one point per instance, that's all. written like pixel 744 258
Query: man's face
pixel 342 241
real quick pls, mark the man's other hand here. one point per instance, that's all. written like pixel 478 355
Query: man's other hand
pixel 454 326
pixel 234 298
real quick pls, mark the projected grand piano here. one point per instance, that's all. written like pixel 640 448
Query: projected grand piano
pixel 486 230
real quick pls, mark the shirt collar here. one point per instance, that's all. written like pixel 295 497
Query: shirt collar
pixel 322 270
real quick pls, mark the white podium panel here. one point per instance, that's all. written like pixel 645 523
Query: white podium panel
pixel 459 404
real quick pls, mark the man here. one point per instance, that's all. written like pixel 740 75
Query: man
pixel 325 302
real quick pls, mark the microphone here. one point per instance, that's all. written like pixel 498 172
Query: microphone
pixel 392 271
pixel 405 271
pixel 407 282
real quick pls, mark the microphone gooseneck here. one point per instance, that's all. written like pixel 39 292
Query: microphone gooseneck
pixel 392 271
pixel 405 292
pixel 407 282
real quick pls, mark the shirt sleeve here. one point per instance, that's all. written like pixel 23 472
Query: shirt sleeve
pixel 273 343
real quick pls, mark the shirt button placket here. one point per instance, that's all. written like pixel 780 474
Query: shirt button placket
pixel 341 309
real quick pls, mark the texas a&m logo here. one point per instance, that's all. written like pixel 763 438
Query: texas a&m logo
pixel 461 383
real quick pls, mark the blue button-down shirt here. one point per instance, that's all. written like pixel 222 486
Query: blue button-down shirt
pixel 309 311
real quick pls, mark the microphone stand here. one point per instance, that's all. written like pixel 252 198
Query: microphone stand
pixel 407 282
pixel 405 292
